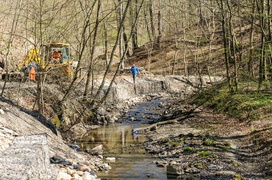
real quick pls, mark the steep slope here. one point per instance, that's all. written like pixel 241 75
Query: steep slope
pixel 27 143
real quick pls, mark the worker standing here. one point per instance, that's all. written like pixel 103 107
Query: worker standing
pixel 32 69
pixel 32 73
pixel 134 70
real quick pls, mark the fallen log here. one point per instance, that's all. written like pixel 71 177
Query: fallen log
pixel 154 126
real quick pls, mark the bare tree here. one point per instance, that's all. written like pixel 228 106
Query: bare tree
pixel 97 103
pixel 233 46
pixel 92 45
pixel 225 39
pixel 11 36
pixel 159 24
pixel 251 50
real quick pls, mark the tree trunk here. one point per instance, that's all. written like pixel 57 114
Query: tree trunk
pixel 262 64
pixel 116 72
pixel 119 33
pixel 269 39
pixel 82 46
pixel 251 39
pixel 121 48
pixel 147 26
pixel 134 37
pixel 106 44
pixel 159 26
pixel 225 39
pixel 151 19
pixel 93 45
pixel 233 47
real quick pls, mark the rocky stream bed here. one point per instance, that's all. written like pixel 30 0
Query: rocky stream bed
pixel 196 143
pixel 187 142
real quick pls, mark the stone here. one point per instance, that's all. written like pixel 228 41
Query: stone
pixel 77 177
pixel 57 159
pixel 85 168
pixel 74 147
pixel 111 159
pixel 63 176
pixel 70 171
pixel 98 150
pixel 75 166
pixel 27 158
pixel 66 163
pixel 173 170
pixel 106 166
pixel 87 176
pixel 80 173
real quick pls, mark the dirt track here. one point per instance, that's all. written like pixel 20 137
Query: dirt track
pixel 211 146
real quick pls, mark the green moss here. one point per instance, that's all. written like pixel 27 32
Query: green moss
pixel 204 153
pixel 199 165
pixel 55 120
pixel 225 148
pixel 238 177
pixel 187 149
pixel 235 163
pixel 209 141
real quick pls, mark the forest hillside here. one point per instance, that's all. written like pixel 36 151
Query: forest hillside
pixel 199 38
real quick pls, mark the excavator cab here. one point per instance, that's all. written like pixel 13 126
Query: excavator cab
pixel 57 53
pixel 58 56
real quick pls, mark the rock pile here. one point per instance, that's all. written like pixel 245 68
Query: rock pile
pixel 27 148
pixel 27 158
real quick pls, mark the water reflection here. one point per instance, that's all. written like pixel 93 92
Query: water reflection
pixel 132 161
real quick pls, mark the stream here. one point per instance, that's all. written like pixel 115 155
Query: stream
pixel 123 149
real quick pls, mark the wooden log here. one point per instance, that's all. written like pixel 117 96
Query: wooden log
pixel 171 121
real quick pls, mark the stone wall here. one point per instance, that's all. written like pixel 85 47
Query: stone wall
pixel 124 88
pixel 27 158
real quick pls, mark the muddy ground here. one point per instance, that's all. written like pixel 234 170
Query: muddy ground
pixel 196 143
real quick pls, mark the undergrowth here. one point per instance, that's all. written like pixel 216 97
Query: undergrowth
pixel 244 104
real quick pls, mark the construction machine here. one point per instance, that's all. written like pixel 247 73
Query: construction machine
pixel 49 59
pixel 57 56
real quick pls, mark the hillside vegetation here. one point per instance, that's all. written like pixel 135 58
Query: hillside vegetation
pixel 226 38
pixel 203 38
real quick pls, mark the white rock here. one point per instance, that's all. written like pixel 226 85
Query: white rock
pixel 98 148
pixel 77 177
pixel 87 176
pixel 63 176
pixel 106 166
pixel 111 159
pixel 70 171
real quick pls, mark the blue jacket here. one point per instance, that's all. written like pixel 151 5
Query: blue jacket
pixel 134 70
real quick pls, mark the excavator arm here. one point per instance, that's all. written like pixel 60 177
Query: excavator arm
pixel 31 57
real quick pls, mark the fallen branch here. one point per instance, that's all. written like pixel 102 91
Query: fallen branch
pixel 171 121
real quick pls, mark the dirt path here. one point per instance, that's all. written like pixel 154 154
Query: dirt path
pixel 210 146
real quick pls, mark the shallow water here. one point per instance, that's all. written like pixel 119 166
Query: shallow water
pixel 132 161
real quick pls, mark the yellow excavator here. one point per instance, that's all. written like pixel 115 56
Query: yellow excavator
pixel 53 57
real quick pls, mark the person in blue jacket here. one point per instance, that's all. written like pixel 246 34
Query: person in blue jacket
pixel 134 70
